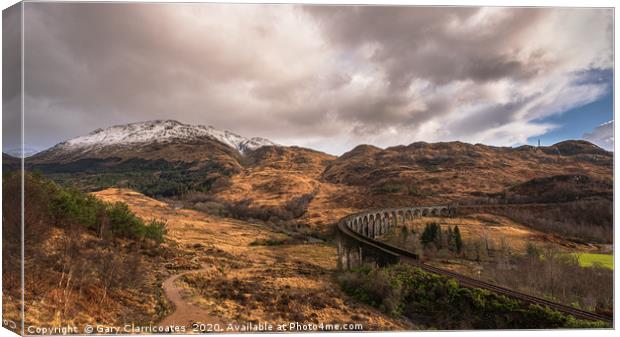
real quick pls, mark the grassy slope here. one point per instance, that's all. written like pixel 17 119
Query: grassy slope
pixel 249 281
pixel 77 285
pixel 590 259
pixel 432 173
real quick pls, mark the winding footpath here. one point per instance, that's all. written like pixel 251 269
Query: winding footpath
pixel 227 251
pixel 185 313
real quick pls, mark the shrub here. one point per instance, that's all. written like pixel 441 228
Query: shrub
pixel 125 223
pixel 67 207
pixel 299 206
pixel 292 209
pixel 269 242
pixel 373 286
pixel 553 274
pixel 211 207
pixel 441 303
pixel 71 271
pixel 388 187
pixel 413 190
pixel 73 205
pixel 156 230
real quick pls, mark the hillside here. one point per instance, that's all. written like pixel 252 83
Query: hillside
pixel 85 260
pixel 561 188
pixel 148 145
pixel 274 174
pixel 219 171
pixel 9 162
pixel 445 172
pixel 174 160
pixel 243 220
pixel 275 178
pixel 229 270
pixel 160 158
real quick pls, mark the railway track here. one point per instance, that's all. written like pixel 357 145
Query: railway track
pixel 466 281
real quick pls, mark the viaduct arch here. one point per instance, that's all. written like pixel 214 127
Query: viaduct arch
pixel 356 244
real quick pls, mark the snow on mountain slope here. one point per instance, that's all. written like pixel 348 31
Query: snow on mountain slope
pixel 159 131
pixel 17 153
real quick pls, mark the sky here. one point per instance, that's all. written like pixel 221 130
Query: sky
pixel 324 77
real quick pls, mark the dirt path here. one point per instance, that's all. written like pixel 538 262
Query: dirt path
pixel 185 313
pixel 243 278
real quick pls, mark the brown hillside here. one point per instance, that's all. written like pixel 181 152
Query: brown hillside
pixel 365 177
pixel 10 162
pixel 291 158
pixel 443 172
pixel 273 175
pixel 276 175
pixel 197 151
pixel 238 278
pixel 562 188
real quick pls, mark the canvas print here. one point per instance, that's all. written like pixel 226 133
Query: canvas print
pixel 216 168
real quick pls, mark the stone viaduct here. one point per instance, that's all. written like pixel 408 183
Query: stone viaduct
pixel 357 246
pixel 357 233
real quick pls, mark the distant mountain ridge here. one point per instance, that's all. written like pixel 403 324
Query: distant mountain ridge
pixel 167 158
pixel 435 172
pixel 17 152
pixel 10 162
pixel 150 136
pixel 159 131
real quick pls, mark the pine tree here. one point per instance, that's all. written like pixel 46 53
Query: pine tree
pixel 432 234
pixel 458 241
pixel 438 237
pixel 450 239
pixel 429 234
pixel 404 233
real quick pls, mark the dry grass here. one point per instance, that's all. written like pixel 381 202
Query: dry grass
pixel 255 282
pixel 47 304
pixel 498 231
pixel 452 171
pixel 266 185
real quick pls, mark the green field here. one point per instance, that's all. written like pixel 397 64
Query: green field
pixel 588 260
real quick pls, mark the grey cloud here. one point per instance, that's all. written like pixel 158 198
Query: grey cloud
pixel 303 75
pixel 451 46
pixel 105 63
pixel 11 60
pixel 602 135
pixel 11 78
pixel 487 118
pixel 422 42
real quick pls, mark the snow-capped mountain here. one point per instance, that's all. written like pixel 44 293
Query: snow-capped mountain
pixel 166 140
pixel 159 131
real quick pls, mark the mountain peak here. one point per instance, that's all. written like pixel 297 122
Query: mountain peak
pixel 160 131
pixel 148 138
pixel 575 147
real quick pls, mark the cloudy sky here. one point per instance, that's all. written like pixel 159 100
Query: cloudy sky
pixel 322 77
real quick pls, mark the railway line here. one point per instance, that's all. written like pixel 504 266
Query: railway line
pixel 411 258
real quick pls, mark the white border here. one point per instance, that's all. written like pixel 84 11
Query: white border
pixel 521 3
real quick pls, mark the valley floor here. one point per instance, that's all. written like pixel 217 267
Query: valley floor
pixel 504 252
pixel 227 272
